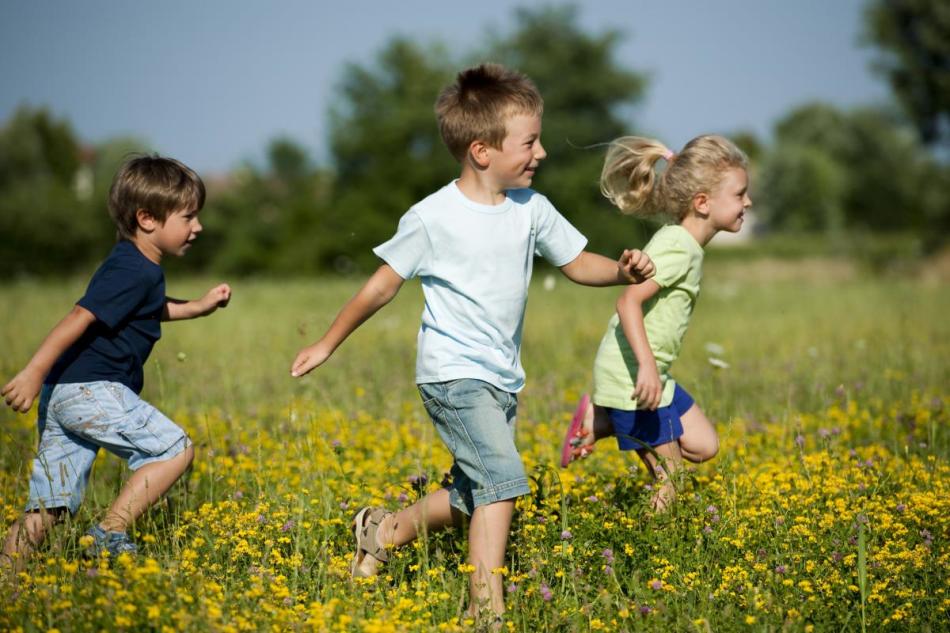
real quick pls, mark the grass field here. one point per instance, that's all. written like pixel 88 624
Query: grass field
pixel 827 509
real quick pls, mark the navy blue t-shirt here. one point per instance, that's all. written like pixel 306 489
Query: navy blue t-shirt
pixel 127 296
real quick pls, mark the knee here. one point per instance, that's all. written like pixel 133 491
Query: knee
pixel 710 450
pixel 704 451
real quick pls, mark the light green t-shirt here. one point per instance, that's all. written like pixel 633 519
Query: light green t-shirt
pixel 679 269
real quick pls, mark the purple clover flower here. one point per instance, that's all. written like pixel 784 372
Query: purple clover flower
pixel 546 594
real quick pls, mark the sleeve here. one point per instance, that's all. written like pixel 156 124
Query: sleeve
pixel 409 251
pixel 671 260
pixel 557 240
pixel 114 293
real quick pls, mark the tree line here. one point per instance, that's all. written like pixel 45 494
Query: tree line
pixel 826 170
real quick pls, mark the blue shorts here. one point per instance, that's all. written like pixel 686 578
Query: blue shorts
pixel 477 423
pixel 652 428
pixel 76 420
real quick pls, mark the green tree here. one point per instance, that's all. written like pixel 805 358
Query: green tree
pixel 862 169
pixel 267 220
pixel 45 224
pixel 385 148
pixel 803 190
pixel 914 38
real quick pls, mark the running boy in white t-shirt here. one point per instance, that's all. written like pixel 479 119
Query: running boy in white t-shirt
pixel 473 244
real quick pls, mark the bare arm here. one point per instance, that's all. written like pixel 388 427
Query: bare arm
pixel 590 269
pixel 649 389
pixel 20 392
pixel 379 290
pixel 178 309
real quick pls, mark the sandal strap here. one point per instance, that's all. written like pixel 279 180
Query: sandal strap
pixel 366 534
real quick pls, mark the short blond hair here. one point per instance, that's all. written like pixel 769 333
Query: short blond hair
pixel 630 180
pixel 478 104
pixel 157 184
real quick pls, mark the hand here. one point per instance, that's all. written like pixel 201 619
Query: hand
pixel 20 392
pixel 635 266
pixel 217 297
pixel 309 358
pixel 649 389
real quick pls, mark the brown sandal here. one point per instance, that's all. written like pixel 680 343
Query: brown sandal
pixel 365 525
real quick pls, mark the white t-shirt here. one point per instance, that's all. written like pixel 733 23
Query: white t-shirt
pixel 475 263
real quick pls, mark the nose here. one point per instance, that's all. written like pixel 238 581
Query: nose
pixel 747 203
pixel 539 153
pixel 196 226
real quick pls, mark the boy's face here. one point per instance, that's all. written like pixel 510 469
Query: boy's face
pixel 176 234
pixel 513 165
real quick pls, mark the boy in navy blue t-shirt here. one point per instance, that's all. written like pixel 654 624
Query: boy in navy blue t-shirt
pixel 88 370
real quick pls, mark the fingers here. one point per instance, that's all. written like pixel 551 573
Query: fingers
pixel 222 295
pixel 648 396
pixel 642 264
pixel 299 368
pixel 303 364
pixel 19 402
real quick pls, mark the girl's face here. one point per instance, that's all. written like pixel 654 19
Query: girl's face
pixel 726 205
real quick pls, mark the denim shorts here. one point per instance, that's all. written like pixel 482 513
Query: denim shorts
pixel 76 420
pixel 653 428
pixel 477 423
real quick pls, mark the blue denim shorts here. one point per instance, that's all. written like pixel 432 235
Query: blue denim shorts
pixel 653 428
pixel 477 423
pixel 76 420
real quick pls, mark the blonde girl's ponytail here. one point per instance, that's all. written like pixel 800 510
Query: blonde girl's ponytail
pixel 629 176
pixel 630 180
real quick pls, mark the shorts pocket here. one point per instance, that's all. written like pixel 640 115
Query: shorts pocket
pixel 142 436
pixel 77 408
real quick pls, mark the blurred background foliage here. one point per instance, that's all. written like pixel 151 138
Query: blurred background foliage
pixel 870 181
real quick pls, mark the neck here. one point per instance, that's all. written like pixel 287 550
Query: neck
pixel 477 187
pixel 151 252
pixel 699 228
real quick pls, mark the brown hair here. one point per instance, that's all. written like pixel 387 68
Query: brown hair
pixel 477 105
pixel 630 181
pixel 157 184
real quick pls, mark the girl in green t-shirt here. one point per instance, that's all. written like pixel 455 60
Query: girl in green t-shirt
pixel 704 189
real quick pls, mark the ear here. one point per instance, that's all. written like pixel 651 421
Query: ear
pixel 478 151
pixel 700 204
pixel 146 220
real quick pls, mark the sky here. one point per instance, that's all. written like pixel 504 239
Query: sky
pixel 212 82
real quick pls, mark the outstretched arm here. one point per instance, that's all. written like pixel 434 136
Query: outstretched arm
pixel 649 389
pixel 178 309
pixel 20 392
pixel 590 269
pixel 375 293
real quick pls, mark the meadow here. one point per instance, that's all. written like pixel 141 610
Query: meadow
pixel 827 509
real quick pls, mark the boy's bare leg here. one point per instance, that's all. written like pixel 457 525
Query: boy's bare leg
pixel 145 487
pixel 663 466
pixel 431 513
pixel 699 442
pixel 487 540
pixel 24 536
